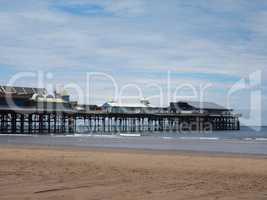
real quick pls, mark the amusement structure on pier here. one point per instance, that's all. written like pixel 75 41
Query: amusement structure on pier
pixel 25 110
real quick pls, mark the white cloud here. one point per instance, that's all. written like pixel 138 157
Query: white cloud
pixel 140 36
pixel 52 38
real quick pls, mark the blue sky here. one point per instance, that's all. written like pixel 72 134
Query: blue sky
pixel 137 42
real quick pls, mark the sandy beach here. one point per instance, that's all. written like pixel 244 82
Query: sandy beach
pixel 68 173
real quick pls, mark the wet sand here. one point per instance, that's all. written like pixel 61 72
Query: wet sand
pixel 29 172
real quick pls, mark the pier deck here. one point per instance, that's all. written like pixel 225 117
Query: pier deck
pixel 64 121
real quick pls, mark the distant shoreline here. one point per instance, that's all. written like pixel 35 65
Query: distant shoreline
pixel 134 150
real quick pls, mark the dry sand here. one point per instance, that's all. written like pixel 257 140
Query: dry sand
pixel 54 173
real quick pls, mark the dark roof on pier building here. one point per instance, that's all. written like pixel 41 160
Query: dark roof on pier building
pixel 21 91
pixel 21 98
pixel 18 96
pixel 198 107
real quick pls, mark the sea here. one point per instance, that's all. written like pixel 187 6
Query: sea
pixel 249 140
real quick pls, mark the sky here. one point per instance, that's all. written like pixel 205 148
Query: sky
pixel 174 48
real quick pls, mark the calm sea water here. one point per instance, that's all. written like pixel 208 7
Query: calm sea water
pixel 246 133
pixel 245 141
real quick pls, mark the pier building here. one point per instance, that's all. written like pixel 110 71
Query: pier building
pixel 34 111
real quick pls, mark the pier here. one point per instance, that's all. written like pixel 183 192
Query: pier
pixel 64 122
pixel 31 112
